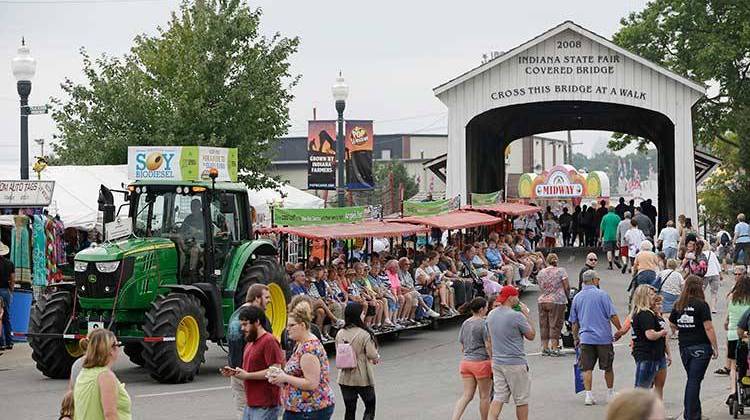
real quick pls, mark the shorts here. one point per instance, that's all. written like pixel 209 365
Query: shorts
pixel 550 241
pixel 668 301
pixel 591 353
pixel 645 372
pixel 670 253
pixel 511 380
pixel 732 349
pixel 624 251
pixel 261 413
pixel 551 318
pixel 610 245
pixel 712 281
pixel 478 369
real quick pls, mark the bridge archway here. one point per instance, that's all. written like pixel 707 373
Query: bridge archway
pixel 569 78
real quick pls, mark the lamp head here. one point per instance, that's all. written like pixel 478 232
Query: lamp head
pixel 340 89
pixel 23 64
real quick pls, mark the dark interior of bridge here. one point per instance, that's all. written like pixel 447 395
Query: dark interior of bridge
pixel 489 133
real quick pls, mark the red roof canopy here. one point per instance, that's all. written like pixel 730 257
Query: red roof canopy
pixel 513 209
pixel 458 219
pixel 367 229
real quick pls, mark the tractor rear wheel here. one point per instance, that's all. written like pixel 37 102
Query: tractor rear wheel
pixel 50 315
pixel 180 317
pixel 134 351
pixel 266 270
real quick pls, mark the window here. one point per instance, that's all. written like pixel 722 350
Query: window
pixel 385 154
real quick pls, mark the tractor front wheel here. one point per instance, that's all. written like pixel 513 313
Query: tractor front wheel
pixel 182 319
pixel 50 315
pixel 266 270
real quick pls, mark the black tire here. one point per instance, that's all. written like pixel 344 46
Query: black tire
pixel 134 351
pixel 50 315
pixel 162 320
pixel 263 270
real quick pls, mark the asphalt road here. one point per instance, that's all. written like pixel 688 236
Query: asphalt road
pixel 417 379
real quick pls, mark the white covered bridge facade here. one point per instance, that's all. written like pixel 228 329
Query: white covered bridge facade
pixel 570 79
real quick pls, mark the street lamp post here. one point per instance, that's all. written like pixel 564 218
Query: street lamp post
pixel 340 92
pixel 24 67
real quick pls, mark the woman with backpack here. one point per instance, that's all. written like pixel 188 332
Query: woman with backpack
pixel 356 352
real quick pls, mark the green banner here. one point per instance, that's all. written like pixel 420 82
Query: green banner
pixel 427 208
pixel 307 217
pixel 479 199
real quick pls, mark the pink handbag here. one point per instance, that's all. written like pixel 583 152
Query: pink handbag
pixel 345 358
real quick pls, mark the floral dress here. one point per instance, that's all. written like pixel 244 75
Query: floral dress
pixel 297 400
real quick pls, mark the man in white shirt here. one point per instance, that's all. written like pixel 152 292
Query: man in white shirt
pixel 713 275
pixel 669 238
pixel 634 237
pixel 622 229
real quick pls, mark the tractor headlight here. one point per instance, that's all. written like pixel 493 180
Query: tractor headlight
pixel 81 266
pixel 107 267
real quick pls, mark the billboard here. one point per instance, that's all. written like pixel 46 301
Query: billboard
pixel 321 155
pixel 309 217
pixel 359 145
pixel 181 163
pixel 26 193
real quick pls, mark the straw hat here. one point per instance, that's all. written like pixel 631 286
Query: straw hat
pixel 4 250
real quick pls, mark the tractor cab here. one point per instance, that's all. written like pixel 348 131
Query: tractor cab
pixel 204 221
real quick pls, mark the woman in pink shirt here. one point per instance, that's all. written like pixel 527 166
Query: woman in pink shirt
pixel 404 301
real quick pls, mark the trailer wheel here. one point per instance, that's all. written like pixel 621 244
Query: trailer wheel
pixel 181 316
pixel 50 315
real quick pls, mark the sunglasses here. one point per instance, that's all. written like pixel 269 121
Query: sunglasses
pixel 593 259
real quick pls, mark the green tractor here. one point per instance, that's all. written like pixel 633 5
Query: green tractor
pixel 168 287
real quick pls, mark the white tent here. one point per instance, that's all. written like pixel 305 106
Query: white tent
pixel 286 196
pixel 77 189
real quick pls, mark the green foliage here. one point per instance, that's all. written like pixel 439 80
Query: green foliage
pixel 608 162
pixel 706 40
pixel 382 194
pixel 210 78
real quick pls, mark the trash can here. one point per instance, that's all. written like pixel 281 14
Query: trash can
pixel 20 309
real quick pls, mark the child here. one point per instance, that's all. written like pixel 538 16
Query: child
pixel 66 408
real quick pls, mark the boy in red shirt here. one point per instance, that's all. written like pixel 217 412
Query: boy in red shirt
pixel 262 352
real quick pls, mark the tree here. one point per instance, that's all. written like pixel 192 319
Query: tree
pixel 708 41
pixel 386 193
pixel 210 78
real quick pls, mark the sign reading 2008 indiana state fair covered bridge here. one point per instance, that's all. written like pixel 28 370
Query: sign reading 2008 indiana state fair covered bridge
pixel 181 163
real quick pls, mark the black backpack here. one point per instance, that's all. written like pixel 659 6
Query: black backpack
pixel 725 239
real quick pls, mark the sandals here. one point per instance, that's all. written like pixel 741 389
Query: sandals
pixel 722 371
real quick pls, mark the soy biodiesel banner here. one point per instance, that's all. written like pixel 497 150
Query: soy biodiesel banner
pixel 321 155
pixel 307 217
pixel 359 145
pixel 181 163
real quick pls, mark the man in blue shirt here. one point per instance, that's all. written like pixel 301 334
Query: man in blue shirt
pixel 591 313
pixel 741 240
pixel 298 286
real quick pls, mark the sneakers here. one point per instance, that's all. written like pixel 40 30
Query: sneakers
pixel 624 268
pixel 589 400
pixel 546 352
pixel 433 314
pixel 339 324
pixel 617 263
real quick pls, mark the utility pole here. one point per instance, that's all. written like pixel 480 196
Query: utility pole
pixel 569 159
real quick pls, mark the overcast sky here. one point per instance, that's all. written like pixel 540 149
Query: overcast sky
pixel 392 53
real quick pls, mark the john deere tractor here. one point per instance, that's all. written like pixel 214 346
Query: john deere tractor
pixel 168 286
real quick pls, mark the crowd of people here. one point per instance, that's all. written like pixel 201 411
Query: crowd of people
pixel 347 302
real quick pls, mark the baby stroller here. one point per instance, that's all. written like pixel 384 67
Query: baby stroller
pixel 568 341
pixel 741 397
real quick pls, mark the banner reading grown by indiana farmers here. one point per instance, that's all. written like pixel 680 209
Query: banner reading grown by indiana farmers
pixel 307 217
pixel 359 145
pixel 321 155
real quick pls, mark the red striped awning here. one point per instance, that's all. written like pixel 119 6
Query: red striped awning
pixel 457 219
pixel 367 229
pixel 512 209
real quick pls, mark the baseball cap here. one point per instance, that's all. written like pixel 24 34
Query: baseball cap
pixel 505 293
